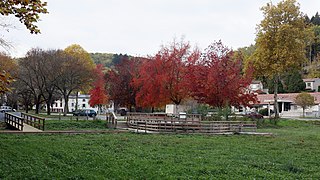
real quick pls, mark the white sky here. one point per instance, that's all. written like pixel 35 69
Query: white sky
pixel 140 27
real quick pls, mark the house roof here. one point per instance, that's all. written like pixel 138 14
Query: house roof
pixel 310 79
pixel 255 82
pixel 289 97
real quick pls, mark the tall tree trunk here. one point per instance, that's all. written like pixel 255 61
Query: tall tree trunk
pixel 26 105
pixel 66 108
pixel 276 105
pixel 310 54
pixel 303 109
pixel 37 107
pixel 48 108
pixel 99 108
pixel 49 102
pixel 77 95
pixel 37 102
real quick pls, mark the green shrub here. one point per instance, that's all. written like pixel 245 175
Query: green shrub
pixel 264 112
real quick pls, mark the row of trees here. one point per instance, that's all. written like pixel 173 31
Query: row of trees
pixel 44 76
pixel 177 73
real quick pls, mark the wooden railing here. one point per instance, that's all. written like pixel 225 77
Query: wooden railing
pixel 188 124
pixel 34 121
pixel 14 121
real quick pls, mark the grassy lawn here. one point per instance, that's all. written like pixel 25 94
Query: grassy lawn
pixel 292 153
pixel 75 125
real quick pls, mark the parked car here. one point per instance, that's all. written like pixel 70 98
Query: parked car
pixel 254 115
pixel 122 111
pixel 4 109
pixel 84 112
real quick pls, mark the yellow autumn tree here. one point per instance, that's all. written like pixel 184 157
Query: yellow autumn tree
pixel 280 42
pixel 8 70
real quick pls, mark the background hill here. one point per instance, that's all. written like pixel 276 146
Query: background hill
pixel 107 59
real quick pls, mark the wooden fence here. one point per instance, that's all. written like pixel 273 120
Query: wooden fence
pixel 34 121
pixel 14 121
pixel 186 124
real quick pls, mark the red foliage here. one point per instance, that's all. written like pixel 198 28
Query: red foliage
pixel 98 95
pixel 119 79
pixel 162 79
pixel 216 79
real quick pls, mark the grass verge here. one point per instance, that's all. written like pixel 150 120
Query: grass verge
pixel 75 125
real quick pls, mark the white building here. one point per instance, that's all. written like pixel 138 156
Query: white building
pixel 312 84
pixel 83 103
pixel 257 87
pixel 287 105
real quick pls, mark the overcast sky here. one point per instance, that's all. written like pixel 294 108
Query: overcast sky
pixel 140 27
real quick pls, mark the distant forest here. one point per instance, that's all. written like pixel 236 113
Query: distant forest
pixel 108 60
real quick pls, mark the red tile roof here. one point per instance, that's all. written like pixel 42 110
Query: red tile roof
pixel 289 97
pixel 310 80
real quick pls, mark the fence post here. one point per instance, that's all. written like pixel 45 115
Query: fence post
pixel 145 126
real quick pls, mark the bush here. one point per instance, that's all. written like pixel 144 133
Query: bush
pixel 264 112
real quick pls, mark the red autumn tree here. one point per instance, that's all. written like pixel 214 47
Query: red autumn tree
pixel 98 95
pixel 162 78
pixel 216 79
pixel 147 86
pixel 119 82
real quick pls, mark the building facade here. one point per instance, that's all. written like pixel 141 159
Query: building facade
pixel 287 105
pixel 83 103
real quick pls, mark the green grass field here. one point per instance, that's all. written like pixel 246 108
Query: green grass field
pixel 75 125
pixel 293 152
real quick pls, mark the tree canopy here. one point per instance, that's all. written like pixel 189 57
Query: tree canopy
pixel 98 94
pixel 280 41
pixel 304 100
pixel 8 70
pixel 162 79
pixel 216 79
pixel 120 82
pixel 26 10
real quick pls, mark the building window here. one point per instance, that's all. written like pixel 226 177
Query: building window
pixel 83 100
pixel 240 109
pixel 72 104
pixel 60 104
pixel 309 84
pixel 83 105
pixel 56 104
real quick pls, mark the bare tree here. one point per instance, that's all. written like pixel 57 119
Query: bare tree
pixel 30 76
pixel 74 76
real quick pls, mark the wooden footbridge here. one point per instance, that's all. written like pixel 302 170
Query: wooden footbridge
pixel 24 122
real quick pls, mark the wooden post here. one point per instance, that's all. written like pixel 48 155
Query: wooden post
pixel 145 127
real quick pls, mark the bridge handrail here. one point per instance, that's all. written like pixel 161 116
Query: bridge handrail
pixel 35 121
pixel 14 120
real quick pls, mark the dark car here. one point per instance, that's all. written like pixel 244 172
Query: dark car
pixel 254 115
pixel 84 112
pixel 122 111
